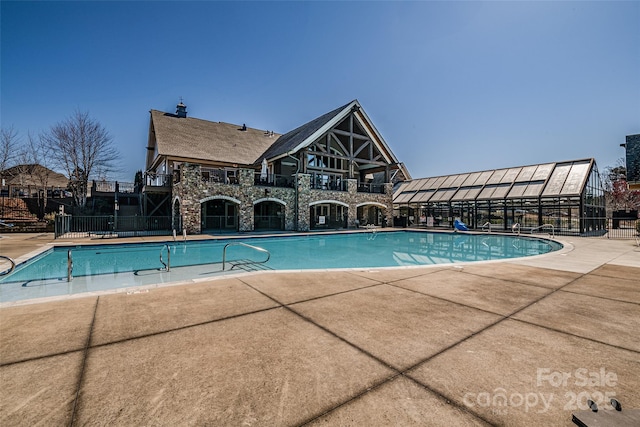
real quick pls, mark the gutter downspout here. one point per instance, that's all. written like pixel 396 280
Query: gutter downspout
pixel 295 187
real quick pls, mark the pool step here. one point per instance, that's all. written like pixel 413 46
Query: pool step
pixel 249 265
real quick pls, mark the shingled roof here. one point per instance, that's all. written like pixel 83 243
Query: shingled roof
pixel 33 174
pixel 199 139
pixel 290 140
pixel 193 138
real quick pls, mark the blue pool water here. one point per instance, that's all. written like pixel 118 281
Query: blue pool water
pixel 195 259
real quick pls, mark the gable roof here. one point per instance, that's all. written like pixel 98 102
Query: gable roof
pixel 541 180
pixel 193 138
pixel 290 141
pixel 33 174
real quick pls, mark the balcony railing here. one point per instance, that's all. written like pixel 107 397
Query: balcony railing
pixel 113 187
pixel 220 176
pixel 364 187
pixel 158 179
pixel 328 181
pixel 330 186
pixel 273 180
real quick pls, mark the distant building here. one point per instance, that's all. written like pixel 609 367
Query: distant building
pixel 567 195
pixel 335 171
pixel 632 154
pixel 30 180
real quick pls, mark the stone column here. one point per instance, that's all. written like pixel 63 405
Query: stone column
pixel 245 214
pixel 189 190
pixel 246 177
pixel 352 189
pixel 388 212
pixel 304 198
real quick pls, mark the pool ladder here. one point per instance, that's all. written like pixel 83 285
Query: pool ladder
pixel 257 248
pixel 167 265
pixel 553 233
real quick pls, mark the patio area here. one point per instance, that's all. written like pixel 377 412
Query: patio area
pixel 521 342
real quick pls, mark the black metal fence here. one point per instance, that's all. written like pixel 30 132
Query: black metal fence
pixel 219 224
pixel 623 228
pixel 268 222
pixel 73 226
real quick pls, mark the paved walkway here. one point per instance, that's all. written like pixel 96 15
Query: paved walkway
pixel 524 342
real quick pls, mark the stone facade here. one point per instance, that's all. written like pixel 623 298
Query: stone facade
pixel 191 191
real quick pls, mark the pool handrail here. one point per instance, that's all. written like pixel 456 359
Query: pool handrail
pixel 553 233
pixel 485 225
pixel 167 266
pixel 257 248
pixel 514 226
pixel 13 265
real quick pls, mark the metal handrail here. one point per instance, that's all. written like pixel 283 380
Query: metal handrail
pixel 486 224
pixel 224 254
pixel 514 226
pixel 13 266
pixel 167 266
pixel 553 233
pixel 374 231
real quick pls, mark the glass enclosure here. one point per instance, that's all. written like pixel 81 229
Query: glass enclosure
pixel 568 195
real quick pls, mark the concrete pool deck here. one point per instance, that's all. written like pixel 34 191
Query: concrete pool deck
pixel 521 342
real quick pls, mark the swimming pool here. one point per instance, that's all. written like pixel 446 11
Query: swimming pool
pixel 111 266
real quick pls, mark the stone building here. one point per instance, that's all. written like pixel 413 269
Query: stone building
pixel 336 171
pixel 632 156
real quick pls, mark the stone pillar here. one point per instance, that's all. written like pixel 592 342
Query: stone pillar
pixel 352 189
pixel 388 212
pixel 246 177
pixel 304 198
pixel 189 192
pixel 245 214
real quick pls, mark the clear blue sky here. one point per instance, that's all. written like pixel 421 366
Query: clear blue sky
pixel 451 86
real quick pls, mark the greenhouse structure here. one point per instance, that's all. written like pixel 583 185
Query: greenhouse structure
pixel 565 197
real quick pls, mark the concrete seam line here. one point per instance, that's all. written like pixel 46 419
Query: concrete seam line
pixel 492 324
pixel 600 297
pixel 84 363
pixel 181 328
pixel 333 334
pixel 528 322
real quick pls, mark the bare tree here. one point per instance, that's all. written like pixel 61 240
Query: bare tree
pixel 81 146
pixel 35 162
pixel 8 147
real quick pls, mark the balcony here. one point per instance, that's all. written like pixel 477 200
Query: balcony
pixel 330 186
pixel 328 181
pixel 273 180
pixel 158 182
pixel 364 187
pixel 220 176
